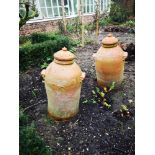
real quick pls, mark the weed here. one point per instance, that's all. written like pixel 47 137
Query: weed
pixel 73 49
pixel 44 65
pixel 124 110
pixel 93 92
pixel 85 101
pixel 129 23
pixel 99 95
pixel 48 120
pixel 29 140
pixel 33 93
pixel 106 105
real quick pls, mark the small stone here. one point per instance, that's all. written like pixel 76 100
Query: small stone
pixel 87 149
pixel 69 148
pixel 81 141
pixel 58 144
pixel 130 101
pixel 107 133
pixel 129 128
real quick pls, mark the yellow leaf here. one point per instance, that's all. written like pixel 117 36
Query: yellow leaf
pixel 105 89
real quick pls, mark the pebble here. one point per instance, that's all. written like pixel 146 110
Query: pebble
pixel 130 101
pixel 69 148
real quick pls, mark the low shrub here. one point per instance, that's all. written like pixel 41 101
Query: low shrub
pixel 39 37
pixel 90 27
pixel 104 21
pixel 129 23
pixel 30 143
pixel 117 13
pixel 33 55
pixel 23 39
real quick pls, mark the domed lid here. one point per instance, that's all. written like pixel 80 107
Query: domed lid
pixel 109 41
pixel 64 56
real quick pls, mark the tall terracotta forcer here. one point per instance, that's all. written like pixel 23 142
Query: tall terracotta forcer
pixel 109 62
pixel 63 79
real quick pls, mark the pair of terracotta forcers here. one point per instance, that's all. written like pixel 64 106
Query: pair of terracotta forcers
pixel 63 77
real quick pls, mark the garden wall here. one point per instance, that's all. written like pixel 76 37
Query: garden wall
pixel 46 26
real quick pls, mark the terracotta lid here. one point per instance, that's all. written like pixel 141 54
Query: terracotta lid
pixel 109 41
pixel 65 56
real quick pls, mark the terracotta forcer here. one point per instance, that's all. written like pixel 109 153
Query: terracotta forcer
pixel 63 79
pixel 109 62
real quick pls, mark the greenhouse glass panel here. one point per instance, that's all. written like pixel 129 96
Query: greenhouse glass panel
pixel 59 2
pixel 56 12
pixel 42 3
pixel 50 14
pixel 43 11
pixel 67 11
pixel 87 8
pixel 48 3
pixel 91 8
pixel 75 6
pixel 54 2
pixel 60 10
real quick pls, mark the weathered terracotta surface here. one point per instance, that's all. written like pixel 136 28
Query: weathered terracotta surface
pixel 63 79
pixel 109 62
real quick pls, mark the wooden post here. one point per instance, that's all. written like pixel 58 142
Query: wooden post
pixel 63 15
pixel 97 19
pixel 82 24
pixel 80 14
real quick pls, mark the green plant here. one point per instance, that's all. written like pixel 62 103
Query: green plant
pixel 27 11
pixel 23 118
pixel 28 43
pixel 100 94
pixel 38 37
pixel 106 105
pixel 104 21
pixel 33 93
pixel 70 28
pixel 124 110
pixel 61 26
pixel 90 27
pixel 48 120
pixel 85 101
pixel 89 41
pixel 129 23
pixel 30 143
pixel 117 13
pixel 35 55
pixel 44 65
pixel 23 39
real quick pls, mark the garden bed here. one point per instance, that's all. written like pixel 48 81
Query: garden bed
pixel 95 130
pixel 118 28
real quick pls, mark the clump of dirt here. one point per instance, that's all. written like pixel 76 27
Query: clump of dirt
pixel 94 130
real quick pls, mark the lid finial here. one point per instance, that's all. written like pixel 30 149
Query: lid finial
pixel 109 41
pixel 64 49
pixel 110 35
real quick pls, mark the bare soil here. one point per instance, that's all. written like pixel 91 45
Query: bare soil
pixel 95 130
